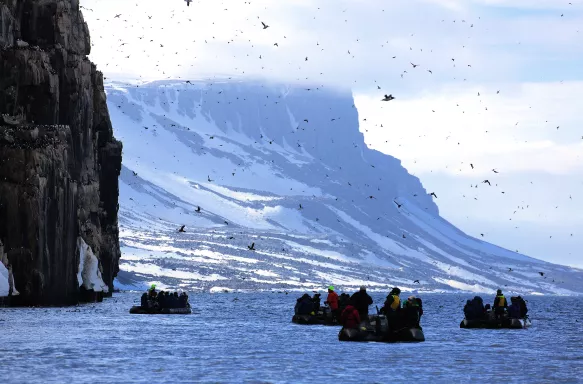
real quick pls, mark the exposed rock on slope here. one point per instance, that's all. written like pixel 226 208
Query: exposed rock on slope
pixel 59 161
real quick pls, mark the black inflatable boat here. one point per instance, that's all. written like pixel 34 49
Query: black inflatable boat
pixel 491 322
pixel 378 330
pixel 138 310
pixel 323 317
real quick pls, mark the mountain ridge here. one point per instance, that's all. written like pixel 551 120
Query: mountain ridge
pixel 286 166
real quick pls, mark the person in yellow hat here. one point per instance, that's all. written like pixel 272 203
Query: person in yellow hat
pixel 152 291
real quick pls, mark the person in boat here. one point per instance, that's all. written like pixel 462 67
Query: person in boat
pixel 500 304
pixel 361 300
pixel 523 308
pixel 152 291
pixel 162 301
pixel 168 300
pixel 478 306
pixel 411 302
pixel 176 300
pixel 332 301
pixel 350 317
pixel 514 308
pixel 343 301
pixel 411 311
pixel 474 308
pixel 317 302
pixel 420 305
pixel 183 300
pixel 393 302
pixel 468 309
pixel 144 300
pixel 172 300
pixel 304 305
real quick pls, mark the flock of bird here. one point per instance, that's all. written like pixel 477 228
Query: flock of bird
pixel 264 25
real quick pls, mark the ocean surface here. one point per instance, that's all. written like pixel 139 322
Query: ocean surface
pixel 250 338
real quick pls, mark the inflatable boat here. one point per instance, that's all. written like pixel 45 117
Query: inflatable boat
pixel 378 330
pixel 323 317
pixel 491 322
pixel 138 310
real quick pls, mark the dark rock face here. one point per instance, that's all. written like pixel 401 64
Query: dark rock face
pixel 59 161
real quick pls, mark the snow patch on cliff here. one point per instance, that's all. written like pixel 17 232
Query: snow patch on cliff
pixel 3 280
pixel 89 274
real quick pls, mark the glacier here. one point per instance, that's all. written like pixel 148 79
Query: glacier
pixel 286 168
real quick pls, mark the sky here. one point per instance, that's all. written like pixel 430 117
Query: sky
pixel 484 90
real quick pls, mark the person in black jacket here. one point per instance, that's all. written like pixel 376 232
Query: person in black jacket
pixel 343 301
pixel 304 305
pixel 183 300
pixel 317 302
pixel 162 300
pixel 144 301
pixel 523 308
pixel 361 300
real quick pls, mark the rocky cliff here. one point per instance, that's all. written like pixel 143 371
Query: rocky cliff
pixel 59 161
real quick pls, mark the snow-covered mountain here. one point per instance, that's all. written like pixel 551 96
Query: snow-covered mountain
pixel 287 169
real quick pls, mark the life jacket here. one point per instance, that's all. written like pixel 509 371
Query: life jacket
pixel 501 301
pixel 396 302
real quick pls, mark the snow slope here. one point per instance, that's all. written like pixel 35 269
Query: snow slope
pixel 285 168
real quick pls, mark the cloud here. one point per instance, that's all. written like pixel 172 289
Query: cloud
pixel 446 130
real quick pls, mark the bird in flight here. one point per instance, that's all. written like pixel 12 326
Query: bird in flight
pixel 433 194
pixel 251 247
pixel 388 98
pixel 487 182
pixel 188 2
pixel 398 205
pixel 265 26
pixel 181 229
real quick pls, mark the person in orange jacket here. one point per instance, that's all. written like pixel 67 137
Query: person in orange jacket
pixel 332 301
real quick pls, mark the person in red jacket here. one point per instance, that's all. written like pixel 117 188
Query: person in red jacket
pixel 350 317
pixel 332 301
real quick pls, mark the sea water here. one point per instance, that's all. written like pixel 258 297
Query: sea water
pixel 234 337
